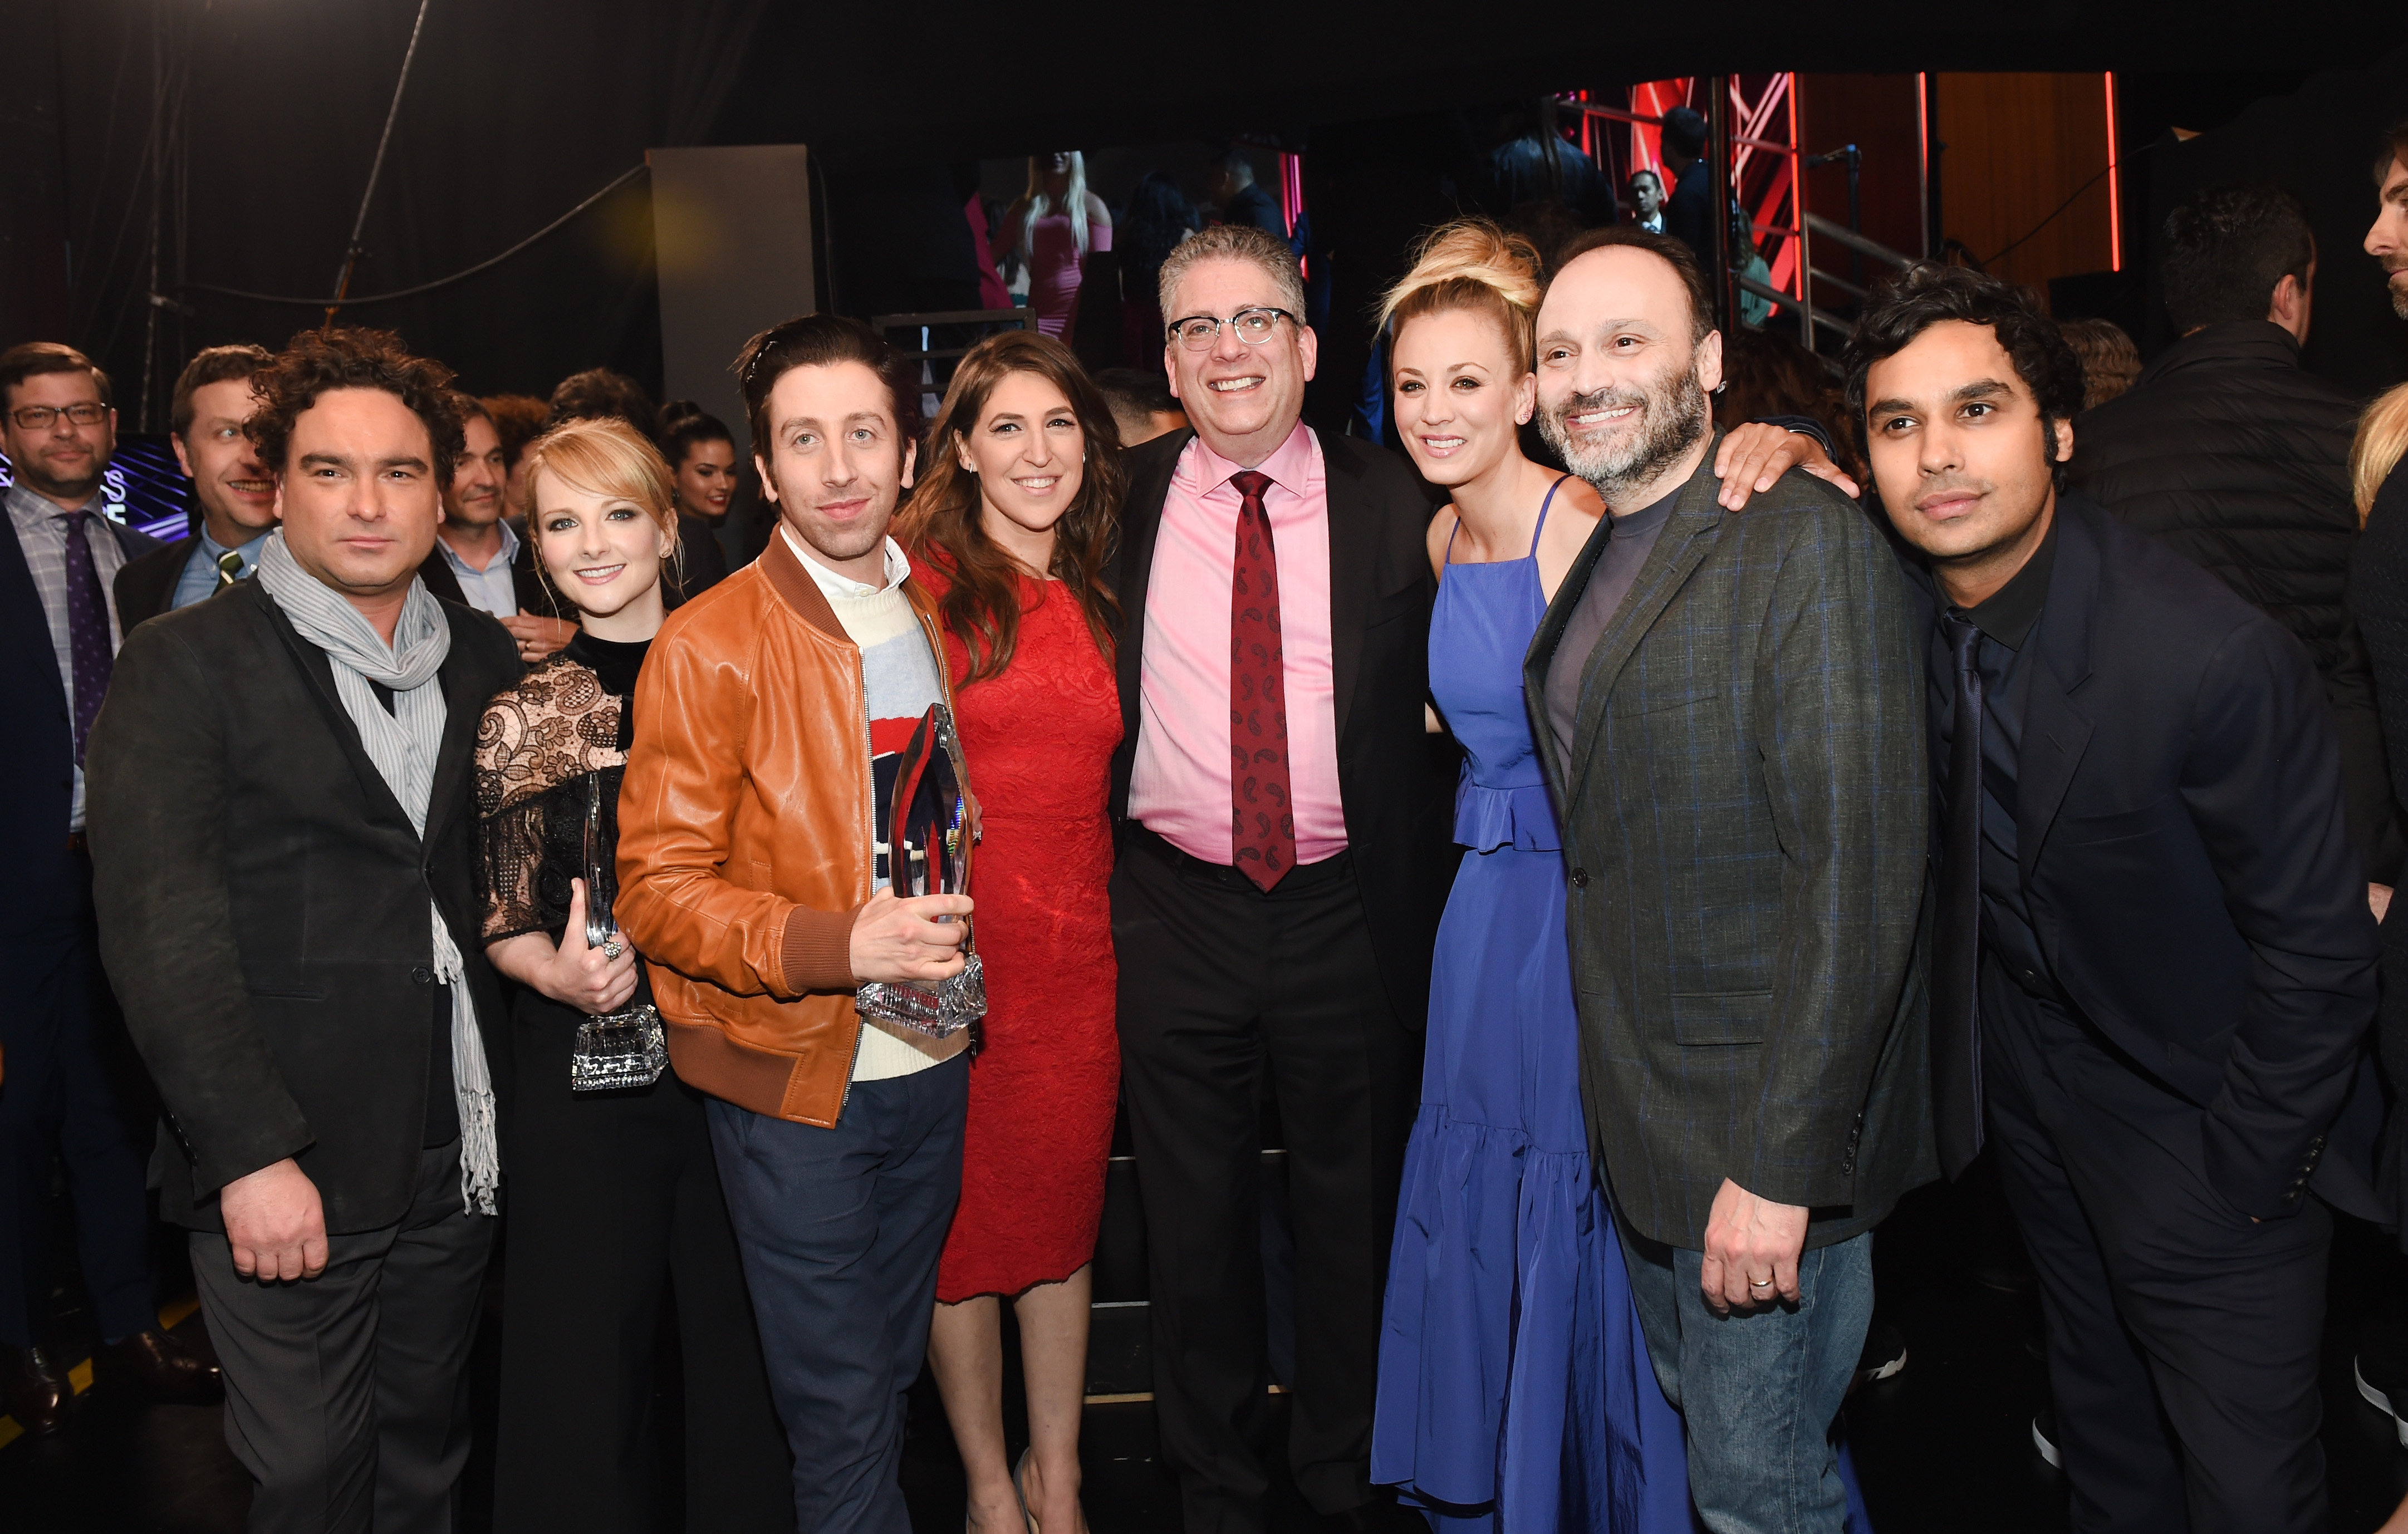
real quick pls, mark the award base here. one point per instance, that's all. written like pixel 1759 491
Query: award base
pixel 620 1050
pixel 952 1006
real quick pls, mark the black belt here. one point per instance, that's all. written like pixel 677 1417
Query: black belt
pixel 1305 876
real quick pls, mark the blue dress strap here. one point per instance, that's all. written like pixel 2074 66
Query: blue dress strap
pixel 1535 532
pixel 1449 558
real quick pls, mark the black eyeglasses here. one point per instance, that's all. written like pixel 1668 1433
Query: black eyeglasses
pixel 1254 327
pixel 37 418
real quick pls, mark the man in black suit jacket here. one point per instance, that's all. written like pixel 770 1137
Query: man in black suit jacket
pixel 66 1094
pixel 283 863
pixel 1274 922
pixel 233 496
pixel 475 539
pixel 2154 963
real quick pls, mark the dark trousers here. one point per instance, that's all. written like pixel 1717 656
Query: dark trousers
pixel 2182 1337
pixel 1221 984
pixel 614 1198
pixel 68 1093
pixel 347 1395
pixel 840 1231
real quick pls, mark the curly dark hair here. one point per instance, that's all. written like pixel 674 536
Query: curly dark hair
pixel 1928 294
pixel 314 362
pixel 983 598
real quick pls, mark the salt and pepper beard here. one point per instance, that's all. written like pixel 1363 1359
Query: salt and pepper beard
pixel 1672 415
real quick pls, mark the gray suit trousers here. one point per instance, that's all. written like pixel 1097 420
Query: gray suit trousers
pixel 347 1395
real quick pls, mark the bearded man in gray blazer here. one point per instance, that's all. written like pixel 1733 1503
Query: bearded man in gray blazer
pixel 1730 711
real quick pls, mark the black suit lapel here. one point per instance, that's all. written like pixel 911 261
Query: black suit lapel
pixel 2056 732
pixel 1141 521
pixel 29 623
pixel 1689 534
pixel 463 704
pixel 383 807
pixel 1354 561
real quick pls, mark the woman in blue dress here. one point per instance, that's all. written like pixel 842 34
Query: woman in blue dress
pixel 1516 1393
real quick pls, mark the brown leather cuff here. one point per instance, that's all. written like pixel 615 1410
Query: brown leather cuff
pixel 816 952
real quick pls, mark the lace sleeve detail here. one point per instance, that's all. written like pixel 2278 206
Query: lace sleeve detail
pixel 511 844
pixel 557 723
pixel 556 726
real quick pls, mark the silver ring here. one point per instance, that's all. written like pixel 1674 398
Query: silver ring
pixel 611 949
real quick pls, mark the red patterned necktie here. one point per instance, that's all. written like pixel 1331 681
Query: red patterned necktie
pixel 1263 822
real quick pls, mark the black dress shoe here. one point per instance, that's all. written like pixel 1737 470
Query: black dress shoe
pixel 34 1389
pixel 165 1369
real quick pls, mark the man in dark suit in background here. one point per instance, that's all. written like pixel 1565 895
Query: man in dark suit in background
pixel 2154 963
pixel 479 559
pixel 1689 207
pixel 233 492
pixel 1274 921
pixel 1727 708
pixel 283 863
pixel 64 1094
pixel 2237 458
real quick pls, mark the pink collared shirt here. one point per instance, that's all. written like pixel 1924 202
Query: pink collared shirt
pixel 1179 785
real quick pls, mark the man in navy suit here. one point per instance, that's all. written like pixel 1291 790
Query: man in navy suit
pixel 2154 966
pixel 64 1094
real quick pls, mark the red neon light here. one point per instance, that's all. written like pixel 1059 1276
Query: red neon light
pixel 1796 195
pixel 2114 192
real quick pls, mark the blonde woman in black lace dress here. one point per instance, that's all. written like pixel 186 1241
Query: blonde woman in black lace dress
pixel 612 1197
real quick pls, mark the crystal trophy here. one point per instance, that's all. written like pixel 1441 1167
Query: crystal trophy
pixel 928 852
pixel 625 1048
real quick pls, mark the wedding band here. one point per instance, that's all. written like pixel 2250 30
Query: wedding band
pixel 611 949
pixel 1759 1283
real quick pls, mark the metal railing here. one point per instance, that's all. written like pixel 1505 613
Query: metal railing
pixel 1024 319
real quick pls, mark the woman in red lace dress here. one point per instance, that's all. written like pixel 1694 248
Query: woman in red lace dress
pixel 1011 528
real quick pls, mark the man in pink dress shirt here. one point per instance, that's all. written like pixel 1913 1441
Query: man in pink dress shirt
pixel 1283 829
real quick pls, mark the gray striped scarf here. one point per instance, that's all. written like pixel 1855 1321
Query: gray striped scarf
pixel 403 744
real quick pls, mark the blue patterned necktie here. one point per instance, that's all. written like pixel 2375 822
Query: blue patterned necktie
pixel 89 647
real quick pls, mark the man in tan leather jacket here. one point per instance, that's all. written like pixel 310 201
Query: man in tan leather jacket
pixel 766 718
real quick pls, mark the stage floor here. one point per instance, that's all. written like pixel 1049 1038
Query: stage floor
pixel 1947 1444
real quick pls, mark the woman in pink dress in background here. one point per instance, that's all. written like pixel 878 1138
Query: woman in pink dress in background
pixel 1011 530
pixel 1056 223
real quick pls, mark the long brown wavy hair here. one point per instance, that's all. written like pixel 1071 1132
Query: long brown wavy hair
pixel 981 602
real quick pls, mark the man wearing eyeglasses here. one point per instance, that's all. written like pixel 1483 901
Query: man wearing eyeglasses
pixel 58 634
pixel 1282 865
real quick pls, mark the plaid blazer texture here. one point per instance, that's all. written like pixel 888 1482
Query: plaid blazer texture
pixel 1745 812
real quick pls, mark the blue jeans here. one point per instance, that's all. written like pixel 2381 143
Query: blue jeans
pixel 1758 1392
pixel 840 1230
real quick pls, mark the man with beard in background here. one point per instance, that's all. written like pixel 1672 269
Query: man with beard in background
pixel 1730 713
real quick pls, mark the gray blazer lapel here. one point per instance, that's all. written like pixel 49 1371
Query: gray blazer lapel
pixel 1689 534
pixel 2055 731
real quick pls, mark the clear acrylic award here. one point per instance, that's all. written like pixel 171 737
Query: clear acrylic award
pixel 929 853
pixel 619 1049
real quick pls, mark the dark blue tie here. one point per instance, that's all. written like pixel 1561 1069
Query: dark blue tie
pixel 89 647
pixel 1955 949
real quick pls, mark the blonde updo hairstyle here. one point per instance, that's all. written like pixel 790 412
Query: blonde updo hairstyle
pixel 1474 265
pixel 606 456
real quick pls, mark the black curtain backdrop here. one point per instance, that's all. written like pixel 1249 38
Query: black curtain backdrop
pixel 514 113
pixel 517 109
